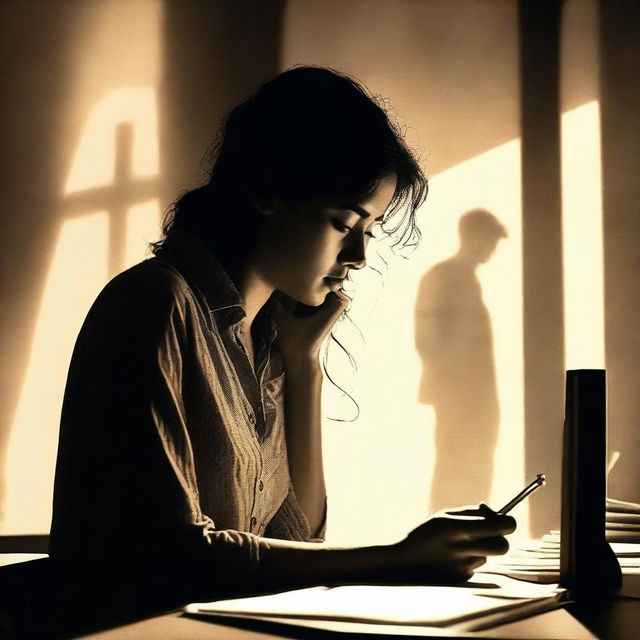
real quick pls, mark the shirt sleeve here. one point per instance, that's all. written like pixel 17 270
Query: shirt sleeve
pixel 126 496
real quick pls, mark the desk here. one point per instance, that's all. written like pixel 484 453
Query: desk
pixel 557 625
pixel 618 619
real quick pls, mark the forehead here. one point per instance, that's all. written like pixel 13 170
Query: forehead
pixel 374 204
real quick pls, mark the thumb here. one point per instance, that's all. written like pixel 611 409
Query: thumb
pixel 336 302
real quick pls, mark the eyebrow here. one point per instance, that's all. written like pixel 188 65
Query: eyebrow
pixel 363 213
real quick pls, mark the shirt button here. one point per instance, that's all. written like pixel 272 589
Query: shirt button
pixel 253 522
pixel 260 486
pixel 252 418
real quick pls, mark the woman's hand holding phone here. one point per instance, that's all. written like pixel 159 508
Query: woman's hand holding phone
pixel 450 546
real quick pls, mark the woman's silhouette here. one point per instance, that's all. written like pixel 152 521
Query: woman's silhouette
pixel 189 464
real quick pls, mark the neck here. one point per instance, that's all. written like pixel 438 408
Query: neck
pixel 467 258
pixel 255 292
pixel 251 286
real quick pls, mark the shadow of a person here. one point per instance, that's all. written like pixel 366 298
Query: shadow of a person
pixel 453 337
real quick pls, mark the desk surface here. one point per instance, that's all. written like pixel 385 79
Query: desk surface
pixel 556 625
pixel 617 619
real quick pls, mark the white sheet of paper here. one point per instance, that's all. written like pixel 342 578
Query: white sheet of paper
pixel 413 605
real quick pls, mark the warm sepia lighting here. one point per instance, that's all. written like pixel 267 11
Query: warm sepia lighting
pixel 459 97
pixel 107 212
pixel 81 265
pixel 94 161
pixel 379 469
pixel 80 247
pixel 583 262
pixel 143 226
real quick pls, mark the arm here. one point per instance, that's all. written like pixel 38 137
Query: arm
pixel 444 549
pixel 299 341
pixel 304 438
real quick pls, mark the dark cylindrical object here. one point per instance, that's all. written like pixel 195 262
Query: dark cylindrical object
pixel 587 563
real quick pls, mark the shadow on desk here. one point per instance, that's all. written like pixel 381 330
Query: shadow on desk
pixel 41 600
pixel 615 619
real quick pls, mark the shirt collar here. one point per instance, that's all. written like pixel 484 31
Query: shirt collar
pixel 201 269
pixel 183 250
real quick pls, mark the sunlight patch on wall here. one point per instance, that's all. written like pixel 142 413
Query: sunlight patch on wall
pixel 583 252
pixel 582 225
pixel 379 469
pixel 94 161
pixel 143 224
pixel 78 271
pixel 81 246
pixel 108 212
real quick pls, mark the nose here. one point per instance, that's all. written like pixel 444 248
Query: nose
pixel 353 255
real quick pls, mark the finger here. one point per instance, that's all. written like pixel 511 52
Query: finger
pixel 334 305
pixel 482 510
pixel 470 510
pixel 476 561
pixel 486 527
pixel 339 297
pixel 466 567
pixel 482 547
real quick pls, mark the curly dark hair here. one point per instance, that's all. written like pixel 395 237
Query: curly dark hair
pixel 308 132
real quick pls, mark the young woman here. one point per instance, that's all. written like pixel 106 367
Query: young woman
pixel 190 452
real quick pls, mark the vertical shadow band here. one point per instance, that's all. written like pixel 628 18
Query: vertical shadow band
pixel 620 106
pixel 539 28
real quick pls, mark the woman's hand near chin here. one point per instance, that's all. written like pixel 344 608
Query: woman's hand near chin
pixel 300 338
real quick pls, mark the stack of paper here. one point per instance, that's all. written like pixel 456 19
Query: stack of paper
pixel 539 560
pixel 487 600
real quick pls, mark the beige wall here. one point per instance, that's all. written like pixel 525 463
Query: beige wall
pixel 450 70
pixel 110 107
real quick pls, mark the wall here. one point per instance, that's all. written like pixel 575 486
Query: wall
pixel 111 107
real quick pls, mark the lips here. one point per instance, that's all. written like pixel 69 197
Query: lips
pixel 333 283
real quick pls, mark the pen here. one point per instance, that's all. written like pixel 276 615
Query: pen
pixel 540 481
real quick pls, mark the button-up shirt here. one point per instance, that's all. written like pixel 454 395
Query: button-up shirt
pixel 172 444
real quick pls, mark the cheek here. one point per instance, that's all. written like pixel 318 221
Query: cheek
pixel 320 254
pixel 313 250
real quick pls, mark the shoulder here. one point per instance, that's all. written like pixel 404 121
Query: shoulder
pixel 149 282
pixel 153 275
pixel 142 300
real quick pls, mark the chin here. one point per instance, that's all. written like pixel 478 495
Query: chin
pixel 314 298
pixel 308 298
pixel 309 294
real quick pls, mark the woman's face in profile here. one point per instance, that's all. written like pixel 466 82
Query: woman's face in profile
pixel 306 249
